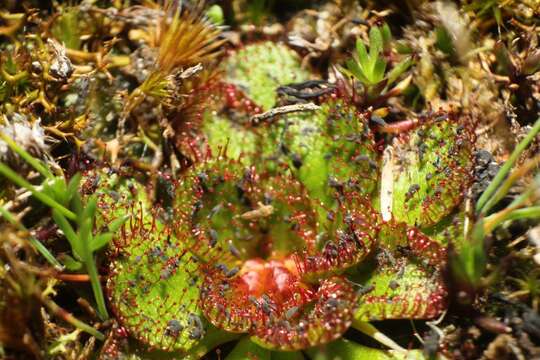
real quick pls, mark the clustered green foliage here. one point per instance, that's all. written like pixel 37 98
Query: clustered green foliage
pixel 370 68
pixel 67 205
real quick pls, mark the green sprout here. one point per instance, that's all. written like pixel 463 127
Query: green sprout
pixel 470 263
pixel 370 68
pixel 67 207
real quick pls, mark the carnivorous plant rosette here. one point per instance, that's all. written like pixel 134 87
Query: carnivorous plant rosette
pixel 269 180
pixel 305 232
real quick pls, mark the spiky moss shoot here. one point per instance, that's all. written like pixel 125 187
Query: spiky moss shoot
pixel 258 69
pixel 184 38
pixel 153 285
pixel 432 169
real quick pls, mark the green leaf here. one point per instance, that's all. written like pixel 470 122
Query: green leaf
pixel 333 144
pixel 246 349
pixel 99 241
pixel 402 286
pixel 241 142
pixel 363 58
pixel 67 27
pixel 470 263
pixel 73 186
pixel 77 205
pixel 431 169
pixel 354 69
pixel 444 41
pixel 375 46
pixel 90 265
pixel 215 14
pixel 497 14
pixel 386 35
pixel 531 212
pixel 85 237
pixel 399 69
pixel 487 200
pixel 41 196
pixel 378 71
pixel 260 68
pixel 70 234
pixel 70 263
pixel 154 286
pixel 56 189
pixel 90 210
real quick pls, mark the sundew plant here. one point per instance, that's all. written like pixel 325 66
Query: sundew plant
pixel 183 181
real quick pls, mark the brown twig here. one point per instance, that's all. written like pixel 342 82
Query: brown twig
pixel 257 119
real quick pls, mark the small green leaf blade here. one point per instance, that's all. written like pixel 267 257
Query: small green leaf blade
pixel 356 71
pixel 100 241
pixel 378 71
pixel 469 264
pixel 70 263
pixel 68 231
pixel 375 45
pixel 363 58
pixel 398 70
pixel 386 35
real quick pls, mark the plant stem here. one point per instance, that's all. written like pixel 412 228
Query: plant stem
pixel 96 286
pixel 17 179
pixel 35 242
pixel 505 169
pixel 26 156
pixel 510 180
pixel 527 213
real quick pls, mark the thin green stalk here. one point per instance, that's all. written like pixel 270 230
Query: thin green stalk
pixel 532 212
pixel 13 176
pixel 85 237
pixel 526 213
pixel 96 287
pixel 26 156
pixel 505 169
pixel 35 242
pixel 522 197
pixel 509 181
